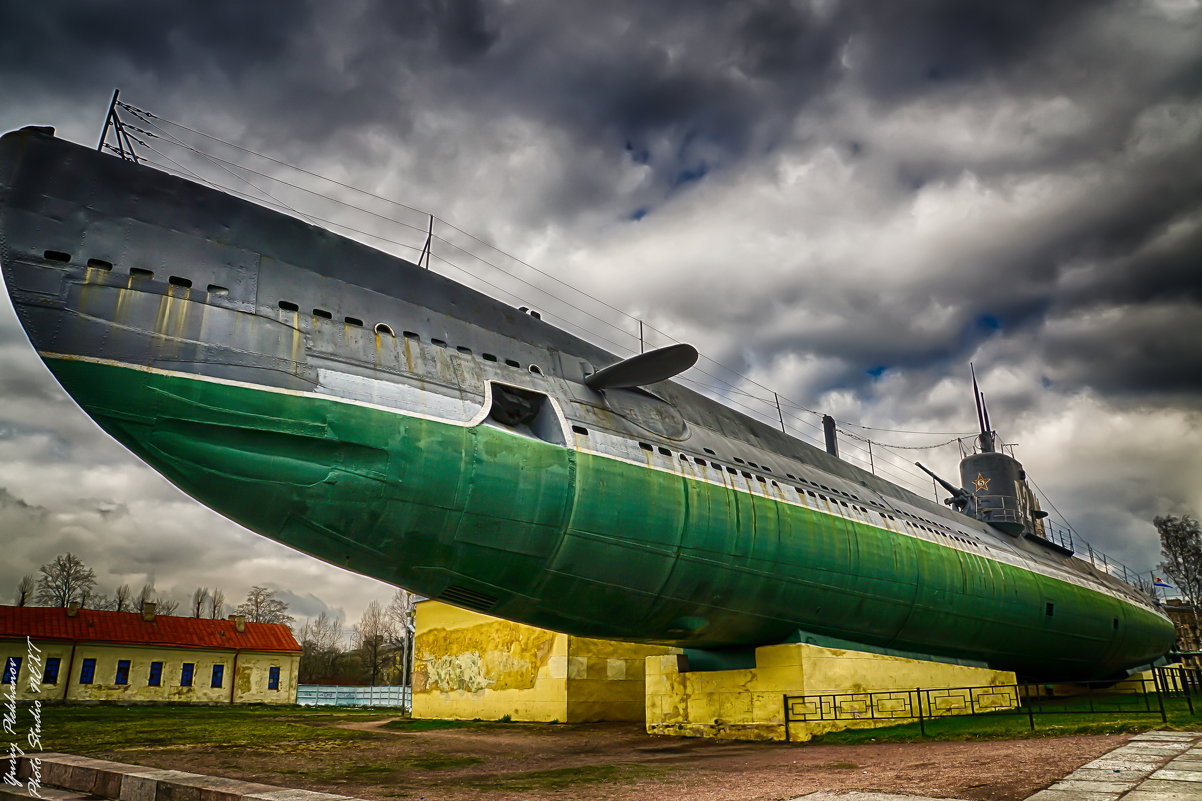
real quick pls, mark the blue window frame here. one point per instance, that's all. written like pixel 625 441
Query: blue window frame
pixel 218 675
pixel 12 669
pixel 185 674
pixel 273 678
pixel 87 671
pixel 50 672
pixel 156 674
pixel 122 672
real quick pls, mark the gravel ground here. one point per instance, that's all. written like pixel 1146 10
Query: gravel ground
pixel 620 762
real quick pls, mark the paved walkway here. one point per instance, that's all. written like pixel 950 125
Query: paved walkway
pixel 1154 766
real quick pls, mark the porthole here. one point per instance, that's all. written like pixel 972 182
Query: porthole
pixel 138 272
pixel 217 289
pixel 488 357
pixel 286 305
pixel 100 264
pixel 438 342
pixel 384 328
pixel 665 452
pixel 512 363
pixel 323 314
pixel 353 321
pixel 645 446
pixel 746 474
pixel 534 368
pixel 580 430
pixel 707 450
pixel 699 460
pixel 740 461
pixel 464 351
pixel 175 280
pixel 732 471
pixel 56 255
pixel 411 335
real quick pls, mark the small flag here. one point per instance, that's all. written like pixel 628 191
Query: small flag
pixel 1159 582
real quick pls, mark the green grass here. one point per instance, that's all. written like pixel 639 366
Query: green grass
pixel 383 771
pixel 561 778
pixel 1009 726
pixel 409 724
pixel 101 729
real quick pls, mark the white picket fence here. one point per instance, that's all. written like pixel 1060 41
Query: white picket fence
pixel 322 695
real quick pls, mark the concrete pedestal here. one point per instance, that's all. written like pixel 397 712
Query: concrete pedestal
pixel 748 704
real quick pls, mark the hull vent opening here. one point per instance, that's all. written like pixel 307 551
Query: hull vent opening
pixel 462 596
pixel 525 412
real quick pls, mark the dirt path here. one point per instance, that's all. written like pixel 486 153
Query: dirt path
pixel 620 762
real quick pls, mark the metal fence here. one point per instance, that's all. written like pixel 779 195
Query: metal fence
pixel 1135 696
pixel 322 695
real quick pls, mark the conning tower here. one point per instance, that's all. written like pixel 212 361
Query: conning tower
pixel 997 483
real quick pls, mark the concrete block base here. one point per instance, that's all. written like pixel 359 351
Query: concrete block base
pixel 748 704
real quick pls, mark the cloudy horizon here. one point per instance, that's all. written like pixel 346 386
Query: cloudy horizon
pixel 845 201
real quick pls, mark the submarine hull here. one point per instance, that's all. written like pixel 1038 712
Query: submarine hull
pixel 236 351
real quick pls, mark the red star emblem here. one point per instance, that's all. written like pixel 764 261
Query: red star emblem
pixel 981 483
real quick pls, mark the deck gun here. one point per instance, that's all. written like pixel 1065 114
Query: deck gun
pixel 962 500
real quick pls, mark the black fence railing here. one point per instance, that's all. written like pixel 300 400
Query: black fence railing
pixel 1144 695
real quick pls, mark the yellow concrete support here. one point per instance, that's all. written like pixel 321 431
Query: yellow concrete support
pixel 470 666
pixel 748 704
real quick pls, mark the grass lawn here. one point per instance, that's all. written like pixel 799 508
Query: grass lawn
pixel 101 729
pixel 1013 726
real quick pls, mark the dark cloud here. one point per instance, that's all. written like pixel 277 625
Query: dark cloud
pixel 848 200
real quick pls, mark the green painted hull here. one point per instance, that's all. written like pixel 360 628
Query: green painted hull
pixel 564 539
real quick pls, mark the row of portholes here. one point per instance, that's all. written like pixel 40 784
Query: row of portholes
pixel 735 471
pixel 134 272
pixel 815 495
pixel 384 329
pixel 216 289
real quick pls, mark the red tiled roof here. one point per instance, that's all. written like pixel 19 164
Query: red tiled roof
pixel 53 623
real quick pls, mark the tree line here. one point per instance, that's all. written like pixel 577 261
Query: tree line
pixel 376 651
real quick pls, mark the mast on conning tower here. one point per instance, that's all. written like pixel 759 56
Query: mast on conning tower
pixel 986 436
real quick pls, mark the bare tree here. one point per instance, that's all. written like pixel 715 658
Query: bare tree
pixel 25 589
pixel 163 605
pixel 261 606
pixel 321 639
pixel 145 595
pixel 1181 547
pixel 217 604
pixel 121 601
pixel 101 602
pixel 65 581
pixel 199 599
pixel 400 613
pixel 374 641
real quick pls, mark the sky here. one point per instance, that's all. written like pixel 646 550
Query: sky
pixel 844 201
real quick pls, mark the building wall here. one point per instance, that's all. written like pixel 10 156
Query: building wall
pixel 471 666
pixel 1185 621
pixel 248 682
pixel 748 704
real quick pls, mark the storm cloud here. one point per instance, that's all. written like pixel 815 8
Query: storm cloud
pixel 846 201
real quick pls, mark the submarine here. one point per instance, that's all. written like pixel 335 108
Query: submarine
pixel 381 417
